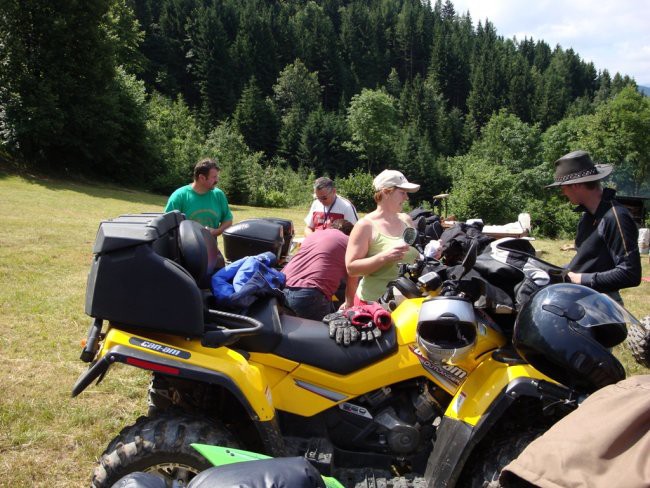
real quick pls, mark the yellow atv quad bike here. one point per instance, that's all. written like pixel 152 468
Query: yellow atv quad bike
pixel 440 399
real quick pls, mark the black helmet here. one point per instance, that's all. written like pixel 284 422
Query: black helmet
pixel 564 331
pixel 446 328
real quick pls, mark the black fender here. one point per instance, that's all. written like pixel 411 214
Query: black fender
pixel 455 439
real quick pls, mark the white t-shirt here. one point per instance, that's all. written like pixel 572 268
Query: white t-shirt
pixel 321 217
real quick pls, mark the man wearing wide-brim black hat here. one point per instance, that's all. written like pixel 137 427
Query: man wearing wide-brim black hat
pixel 607 257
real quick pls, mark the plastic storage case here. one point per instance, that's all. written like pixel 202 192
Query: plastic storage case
pixel 136 280
pixel 252 237
pixel 288 233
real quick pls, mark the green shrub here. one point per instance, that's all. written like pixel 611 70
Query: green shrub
pixel 240 167
pixel 273 198
pixel 247 179
pixel 484 190
pixel 357 188
pixel 280 186
pixel 553 217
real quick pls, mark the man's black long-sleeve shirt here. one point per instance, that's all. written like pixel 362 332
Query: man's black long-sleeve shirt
pixel 608 248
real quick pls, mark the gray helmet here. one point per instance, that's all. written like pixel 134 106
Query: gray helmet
pixel 446 328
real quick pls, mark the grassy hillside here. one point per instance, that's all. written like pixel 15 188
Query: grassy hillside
pixel 47 229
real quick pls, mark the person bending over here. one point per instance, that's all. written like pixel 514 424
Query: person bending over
pixel 317 269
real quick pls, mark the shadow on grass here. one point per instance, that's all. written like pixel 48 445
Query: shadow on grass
pixel 98 190
pixel 91 188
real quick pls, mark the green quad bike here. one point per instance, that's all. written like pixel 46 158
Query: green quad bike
pixel 445 397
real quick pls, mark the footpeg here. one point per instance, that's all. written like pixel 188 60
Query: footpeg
pixel 319 454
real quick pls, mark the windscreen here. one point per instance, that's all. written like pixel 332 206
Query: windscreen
pixel 600 309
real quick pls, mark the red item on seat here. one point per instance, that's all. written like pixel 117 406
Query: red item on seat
pixel 361 315
pixel 358 316
pixel 380 316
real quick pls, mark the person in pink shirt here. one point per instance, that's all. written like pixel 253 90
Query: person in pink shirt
pixel 316 271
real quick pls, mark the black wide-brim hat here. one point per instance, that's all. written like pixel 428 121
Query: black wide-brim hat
pixel 577 167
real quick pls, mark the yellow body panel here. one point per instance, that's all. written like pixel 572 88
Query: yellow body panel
pixel 293 394
pixel 275 368
pixel 405 317
pixel 274 361
pixel 288 396
pixel 483 386
pixel 247 376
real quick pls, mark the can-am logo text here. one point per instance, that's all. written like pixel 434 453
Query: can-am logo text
pixel 451 373
pixel 153 346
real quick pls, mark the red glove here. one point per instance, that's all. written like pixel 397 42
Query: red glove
pixel 380 316
pixel 358 316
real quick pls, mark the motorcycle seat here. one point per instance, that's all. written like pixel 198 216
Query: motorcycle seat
pixel 308 341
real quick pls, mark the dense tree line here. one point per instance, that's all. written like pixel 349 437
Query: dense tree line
pixel 137 90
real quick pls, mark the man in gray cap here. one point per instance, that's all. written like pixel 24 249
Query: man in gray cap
pixel 607 257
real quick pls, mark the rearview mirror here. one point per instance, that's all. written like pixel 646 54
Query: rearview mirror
pixel 410 236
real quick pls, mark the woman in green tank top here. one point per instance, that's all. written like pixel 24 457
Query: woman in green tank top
pixel 376 246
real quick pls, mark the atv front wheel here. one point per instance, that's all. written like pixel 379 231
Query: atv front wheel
pixel 638 341
pixel 160 445
pixel 484 466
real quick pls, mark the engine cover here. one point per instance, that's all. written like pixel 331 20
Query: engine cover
pixel 402 437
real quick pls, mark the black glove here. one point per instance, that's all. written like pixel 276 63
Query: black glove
pixel 341 329
pixel 369 332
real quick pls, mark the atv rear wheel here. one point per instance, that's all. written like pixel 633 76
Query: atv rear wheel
pixel 484 465
pixel 160 445
pixel 638 341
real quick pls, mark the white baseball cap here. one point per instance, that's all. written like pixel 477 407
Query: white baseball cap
pixel 390 178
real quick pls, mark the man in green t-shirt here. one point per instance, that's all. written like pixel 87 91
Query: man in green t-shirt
pixel 201 200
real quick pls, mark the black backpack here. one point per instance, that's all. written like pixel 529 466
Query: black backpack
pixel 433 227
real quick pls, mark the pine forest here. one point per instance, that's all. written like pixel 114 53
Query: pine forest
pixel 281 92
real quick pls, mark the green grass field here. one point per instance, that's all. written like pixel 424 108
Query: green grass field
pixel 47 229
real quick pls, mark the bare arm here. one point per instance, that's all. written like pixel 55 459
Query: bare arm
pixel 575 277
pixel 309 220
pixel 219 230
pixel 350 291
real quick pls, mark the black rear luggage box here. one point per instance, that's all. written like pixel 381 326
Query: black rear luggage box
pixel 135 278
pixel 287 229
pixel 252 237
